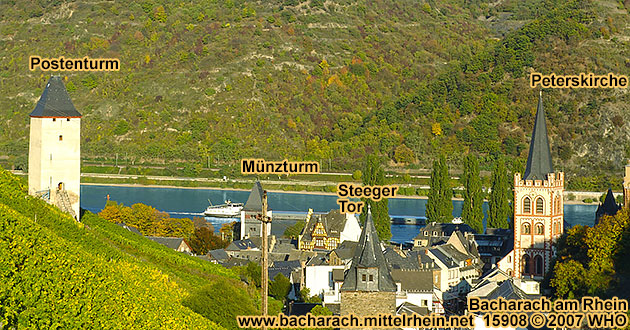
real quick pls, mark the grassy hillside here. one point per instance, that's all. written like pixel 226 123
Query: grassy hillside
pixel 57 273
pixel 314 79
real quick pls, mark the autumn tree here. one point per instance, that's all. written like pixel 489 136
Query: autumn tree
pixel 440 206
pixel 499 203
pixel 472 211
pixel 204 240
pixel 373 174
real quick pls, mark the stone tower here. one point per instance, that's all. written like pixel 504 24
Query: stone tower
pixel 250 225
pixel 626 187
pixel 368 287
pixel 538 206
pixel 54 157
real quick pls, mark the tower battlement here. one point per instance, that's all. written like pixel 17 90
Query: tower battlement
pixel 553 180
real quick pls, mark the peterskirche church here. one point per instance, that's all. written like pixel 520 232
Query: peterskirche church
pixel 54 155
pixel 538 208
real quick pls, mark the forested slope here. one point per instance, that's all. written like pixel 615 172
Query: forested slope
pixel 58 273
pixel 313 79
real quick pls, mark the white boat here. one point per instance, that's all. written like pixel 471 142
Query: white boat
pixel 227 210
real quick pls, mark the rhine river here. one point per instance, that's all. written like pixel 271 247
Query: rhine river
pixel 183 202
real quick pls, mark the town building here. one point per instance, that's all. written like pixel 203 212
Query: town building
pixel 368 287
pixel 251 226
pixel 54 155
pixel 435 233
pixel 176 243
pixel 538 208
pixel 608 207
pixel 327 231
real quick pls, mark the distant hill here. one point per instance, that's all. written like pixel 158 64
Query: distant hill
pixel 319 80
pixel 58 273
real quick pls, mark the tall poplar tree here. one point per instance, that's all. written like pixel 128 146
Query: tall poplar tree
pixel 440 205
pixel 472 211
pixel 499 197
pixel 373 174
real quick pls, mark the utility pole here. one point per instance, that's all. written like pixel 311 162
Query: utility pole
pixel 265 247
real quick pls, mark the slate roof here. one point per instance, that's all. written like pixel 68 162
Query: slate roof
pixel 293 264
pixel 396 261
pixel 243 244
pixel 409 308
pixel 218 254
pixel 130 228
pixel 254 201
pixel 171 242
pixel 55 101
pixel 346 250
pixel 369 254
pixel 508 290
pixel 273 272
pixel 539 162
pixel 414 280
pixel 609 207
pixel 443 230
pixel 333 222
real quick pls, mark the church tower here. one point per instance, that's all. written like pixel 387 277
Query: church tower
pixel 538 208
pixel 54 155
pixel 368 287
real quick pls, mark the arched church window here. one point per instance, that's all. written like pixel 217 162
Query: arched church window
pixel 540 205
pixel 538 261
pixel 526 229
pixel 527 205
pixel 540 229
pixel 558 205
pixel 526 265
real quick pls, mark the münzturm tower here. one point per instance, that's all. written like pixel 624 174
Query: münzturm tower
pixel 54 157
pixel 538 208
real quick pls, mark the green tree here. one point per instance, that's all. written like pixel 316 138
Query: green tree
pixel 440 205
pixel 472 212
pixel 373 174
pixel 295 230
pixel 280 286
pixel 499 202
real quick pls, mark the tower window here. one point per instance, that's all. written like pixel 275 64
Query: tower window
pixel 60 137
pixel 67 119
pixel 371 278
pixel 539 265
pixel 527 229
pixel 527 205
pixel 539 229
pixel 54 119
pixel 540 205
pixel 364 278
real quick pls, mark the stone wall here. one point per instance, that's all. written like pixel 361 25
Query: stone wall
pixel 362 303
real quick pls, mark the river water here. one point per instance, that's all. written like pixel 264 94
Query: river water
pixel 183 202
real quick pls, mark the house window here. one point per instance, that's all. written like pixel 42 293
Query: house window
pixel 540 229
pixel 527 205
pixel 540 205
pixel 364 277
pixel 526 229
pixel 60 137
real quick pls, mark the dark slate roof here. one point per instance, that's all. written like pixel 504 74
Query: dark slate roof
pixel 409 308
pixel 539 162
pixel 396 261
pixel 444 230
pixel 414 280
pixel 218 254
pixel 171 242
pixel 508 290
pixel 254 201
pixel 300 308
pixel 273 272
pixel 609 207
pixel 346 250
pixel 55 101
pixel 368 254
pixel 333 222
pixel 130 228
pixel 293 264
pixel 244 244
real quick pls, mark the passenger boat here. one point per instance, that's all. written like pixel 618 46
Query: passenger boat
pixel 227 210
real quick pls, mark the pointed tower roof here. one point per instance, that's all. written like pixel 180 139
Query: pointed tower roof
pixel 609 207
pixel 55 101
pixel 539 162
pixel 254 202
pixel 368 254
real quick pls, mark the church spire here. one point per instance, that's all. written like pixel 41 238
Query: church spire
pixel 539 160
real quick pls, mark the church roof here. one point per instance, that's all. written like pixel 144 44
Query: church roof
pixel 609 207
pixel 55 101
pixel 539 162
pixel 254 202
pixel 368 254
